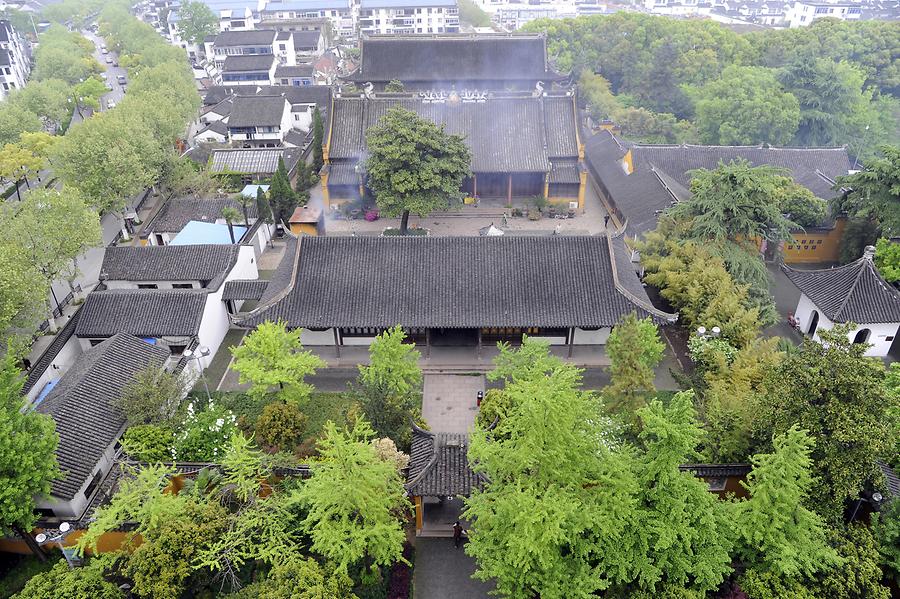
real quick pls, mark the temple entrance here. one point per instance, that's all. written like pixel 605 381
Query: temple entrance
pixel 454 337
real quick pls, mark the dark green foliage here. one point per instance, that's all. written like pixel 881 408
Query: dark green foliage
pixel 414 166
pixel 858 233
pixel 262 206
pixel 886 529
pixel 874 191
pixel 280 426
pixel 318 140
pixel 79 583
pixel 838 395
pixel 858 575
pixel 283 199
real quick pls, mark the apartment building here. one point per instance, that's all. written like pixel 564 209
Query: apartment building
pixel 408 16
pixel 804 12
pixel 305 15
pixel 15 59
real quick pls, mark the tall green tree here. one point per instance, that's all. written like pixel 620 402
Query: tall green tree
pixel 282 197
pixel 634 349
pixel 354 501
pixel 745 106
pixel 14 119
pixel 684 526
pixel 48 99
pixel 539 529
pixel 832 390
pixel 152 396
pixel 873 192
pixel 89 582
pixel 413 165
pixel 27 452
pixel 886 530
pixel 231 216
pixel 318 140
pixel 777 532
pixel 391 386
pixel 273 355
pixel 887 259
pixel 196 20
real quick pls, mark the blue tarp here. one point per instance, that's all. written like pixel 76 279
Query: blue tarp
pixel 150 340
pixel 198 233
pixel 46 391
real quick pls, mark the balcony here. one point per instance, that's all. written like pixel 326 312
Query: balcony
pixel 240 135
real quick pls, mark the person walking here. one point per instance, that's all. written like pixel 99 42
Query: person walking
pixel 457 534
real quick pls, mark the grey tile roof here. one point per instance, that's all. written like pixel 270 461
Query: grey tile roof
pixel 81 405
pixel 244 289
pixel 662 173
pixel 295 94
pixel 452 58
pixel 452 282
pixel 814 168
pixel 640 197
pixel 306 40
pixel 258 111
pixel 854 292
pixel 297 70
pixel 255 37
pixel 564 170
pixel 219 127
pixel 439 466
pixel 248 62
pixel 342 173
pixel 141 312
pixel 168 262
pixel 259 161
pixel 178 212
pixel 505 135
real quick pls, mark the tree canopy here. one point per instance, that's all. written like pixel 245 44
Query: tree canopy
pixel 196 20
pixel 413 166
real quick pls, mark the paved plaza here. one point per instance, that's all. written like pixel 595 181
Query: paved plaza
pixel 449 403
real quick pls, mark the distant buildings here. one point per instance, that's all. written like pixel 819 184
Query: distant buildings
pixel 804 12
pixel 408 16
pixel 15 59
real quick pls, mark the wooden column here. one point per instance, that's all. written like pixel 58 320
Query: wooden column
pixel 509 190
pixel 571 340
pixel 420 516
pixel 427 343
pixel 474 185
pixel 337 342
pixel 547 186
pixel 478 348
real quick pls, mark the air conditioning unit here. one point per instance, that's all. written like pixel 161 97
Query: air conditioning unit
pixel 573 205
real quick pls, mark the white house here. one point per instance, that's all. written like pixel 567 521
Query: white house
pixel 311 14
pixel 251 69
pixel 89 426
pixel 15 59
pixel 408 16
pixel 853 293
pixel 802 13
pixel 170 296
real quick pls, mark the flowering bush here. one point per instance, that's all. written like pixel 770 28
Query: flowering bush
pixel 371 215
pixel 205 432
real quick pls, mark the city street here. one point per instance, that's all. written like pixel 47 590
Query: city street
pixel 112 72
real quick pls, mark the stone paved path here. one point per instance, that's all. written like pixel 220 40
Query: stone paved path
pixel 445 572
pixel 449 402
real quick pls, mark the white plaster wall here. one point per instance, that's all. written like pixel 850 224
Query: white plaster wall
pixel 880 338
pixel 551 340
pixel 58 367
pixel 308 337
pixel 597 337
pixel 215 322
pixel 365 341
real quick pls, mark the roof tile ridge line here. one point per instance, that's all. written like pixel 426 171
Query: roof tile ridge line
pixel 630 296
pixel 431 462
pixel 281 294
pixel 865 263
pixel 544 135
pixel 616 139
pixel 656 174
pixel 826 177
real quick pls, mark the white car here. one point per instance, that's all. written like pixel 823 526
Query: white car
pixel 104 51
pixel 110 105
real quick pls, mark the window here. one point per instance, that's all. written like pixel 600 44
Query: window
pixel 182 285
pixel 177 350
pixel 93 484
pixel 147 286
pixel 717 483
pixel 96 342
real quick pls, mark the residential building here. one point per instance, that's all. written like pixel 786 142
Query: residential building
pixel 803 12
pixel 521 147
pixel 256 43
pixel 249 70
pixel 853 293
pixel 464 62
pixel 259 121
pixel 637 182
pixel 453 290
pixel 678 8
pixel 514 16
pixel 82 405
pixel 238 19
pixel 15 59
pixel 311 14
pixel 170 296
pixel 408 16
pixel 309 43
pixel 296 75
pixel 215 132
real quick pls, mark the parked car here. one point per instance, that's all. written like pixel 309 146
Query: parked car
pixel 115 63
pixel 108 60
pixel 121 79
pixel 110 105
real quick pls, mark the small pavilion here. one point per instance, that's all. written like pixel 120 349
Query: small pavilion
pixel 853 293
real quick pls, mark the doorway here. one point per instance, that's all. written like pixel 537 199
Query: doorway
pixel 862 336
pixel 813 324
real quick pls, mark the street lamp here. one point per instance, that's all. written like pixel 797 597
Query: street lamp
pixel 57 536
pixel 198 354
